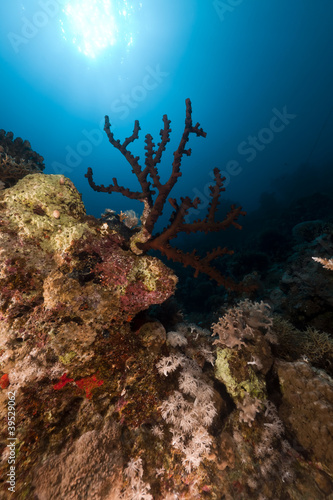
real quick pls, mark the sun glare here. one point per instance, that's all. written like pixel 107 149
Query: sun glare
pixel 94 25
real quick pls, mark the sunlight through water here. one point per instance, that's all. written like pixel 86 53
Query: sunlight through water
pixel 95 25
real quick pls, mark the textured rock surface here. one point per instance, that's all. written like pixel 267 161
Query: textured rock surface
pixel 86 468
pixel 307 408
pixel 53 254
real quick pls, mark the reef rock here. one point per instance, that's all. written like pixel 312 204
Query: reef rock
pixel 103 403
pixel 307 407
pixel 68 283
pixel 55 258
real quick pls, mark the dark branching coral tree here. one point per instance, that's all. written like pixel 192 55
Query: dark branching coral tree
pixel 144 240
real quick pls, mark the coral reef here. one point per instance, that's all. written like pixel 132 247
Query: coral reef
pixel 108 408
pixel 297 422
pixel 144 240
pixel 17 159
pixel 86 467
pixel 305 290
pixel 111 404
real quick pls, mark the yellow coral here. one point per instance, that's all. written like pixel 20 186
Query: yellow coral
pixel 30 208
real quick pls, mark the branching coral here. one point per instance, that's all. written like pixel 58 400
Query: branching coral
pixel 144 240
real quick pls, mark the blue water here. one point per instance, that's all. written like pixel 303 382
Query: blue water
pixel 257 72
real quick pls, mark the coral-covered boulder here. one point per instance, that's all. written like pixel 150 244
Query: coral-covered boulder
pixel 55 257
pixel 307 408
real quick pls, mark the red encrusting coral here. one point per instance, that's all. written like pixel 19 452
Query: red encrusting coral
pixel 62 382
pixel 88 384
pixel 4 381
pixel 144 240
pixel 135 298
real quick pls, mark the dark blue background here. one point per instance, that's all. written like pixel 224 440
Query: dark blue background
pixel 238 61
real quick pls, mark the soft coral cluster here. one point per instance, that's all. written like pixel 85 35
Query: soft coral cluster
pixel 239 322
pixel 189 411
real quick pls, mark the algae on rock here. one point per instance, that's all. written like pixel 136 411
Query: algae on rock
pixel 46 207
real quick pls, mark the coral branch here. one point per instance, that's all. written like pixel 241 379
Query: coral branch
pixel 326 263
pixel 153 206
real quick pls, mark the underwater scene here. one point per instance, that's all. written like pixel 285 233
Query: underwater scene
pixel 166 250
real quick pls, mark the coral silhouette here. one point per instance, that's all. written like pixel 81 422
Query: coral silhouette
pixel 144 240
pixel 17 159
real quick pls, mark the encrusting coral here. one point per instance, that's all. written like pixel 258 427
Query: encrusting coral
pixel 144 240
